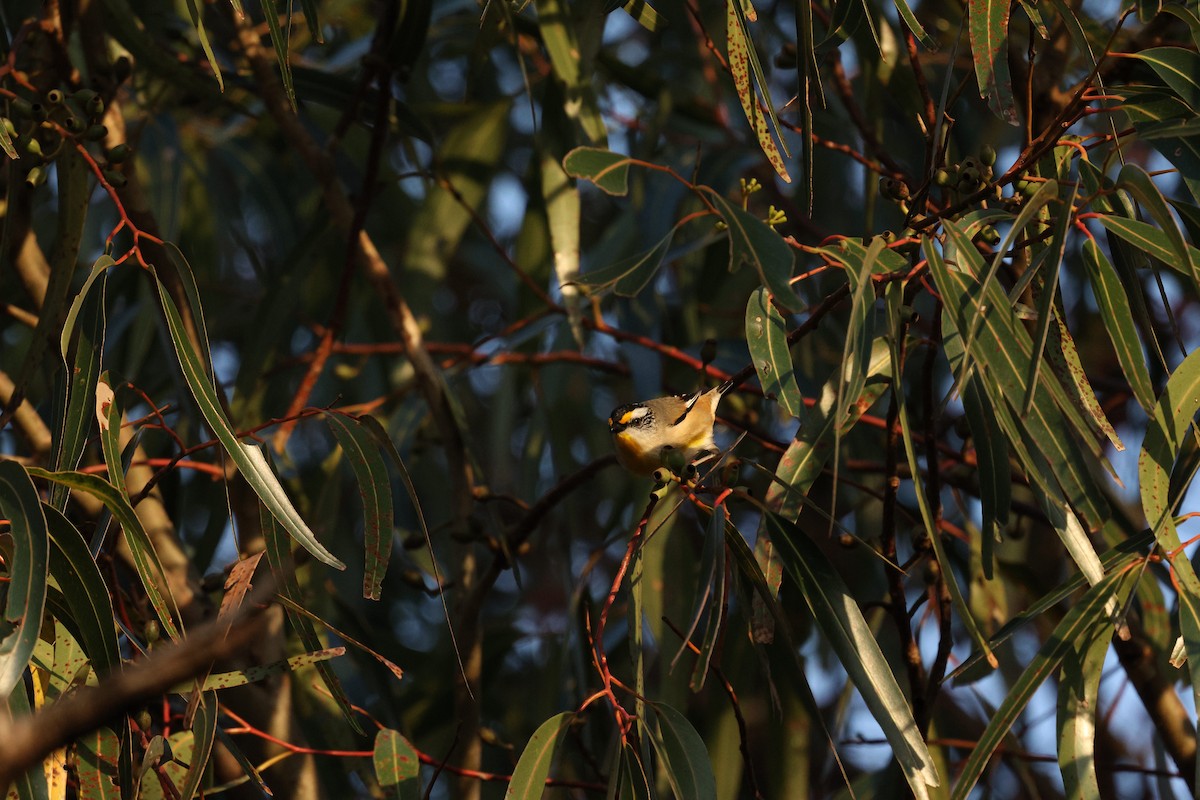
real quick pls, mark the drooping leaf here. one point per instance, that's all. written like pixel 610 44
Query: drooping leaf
pixel 396 762
pixel 204 733
pixel 684 755
pixel 533 767
pixel 145 558
pixel 752 241
pixel 742 59
pixel 279 557
pixel 988 29
pixel 248 457
pixel 79 578
pixel 766 336
pixel 563 46
pixel 629 277
pixel 1137 182
pixel 1087 615
pixel 27 573
pixel 279 41
pixel 375 489
pixel 1179 70
pixel 1078 706
pixel 851 638
pixel 198 23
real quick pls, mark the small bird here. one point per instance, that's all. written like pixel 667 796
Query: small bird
pixel 676 429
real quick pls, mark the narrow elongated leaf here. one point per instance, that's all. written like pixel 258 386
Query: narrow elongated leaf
pixel 1171 423
pixel 1003 351
pixel 88 311
pixel 563 47
pixel 279 556
pixel 1150 240
pixel 710 599
pixel 860 330
pixel 766 336
pixel 1179 69
pixel 561 197
pixel 645 15
pixel 931 531
pixel 396 761
pixel 280 43
pixel 242 677
pixel 1058 246
pixel 1117 318
pixel 145 559
pixel 375 489
pixel 609 171
pixel 685 758
pixel 195 11
pixel 1088 614
pixel 1117 559
pixel 988 30
pixel 1078 703
pixel 914 25
pixel 842 623
pixel 752 241
pixel 802 462
pixel 533 767
pixel 1063 358
pixel 248 457
pixel 1045 194
pixel 995 472
pixel 204 733
pixel 742 59
pixel 27 573
pixel 87 596
pixel 1137 182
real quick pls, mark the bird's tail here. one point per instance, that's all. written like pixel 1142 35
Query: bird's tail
pixel 726 386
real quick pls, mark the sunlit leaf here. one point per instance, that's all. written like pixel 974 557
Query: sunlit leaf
pixel 204 732
pixel 396 761
pixel 563 47
pixel 248 457
pixel 1078 706
pixel 645 15
pixel 196 13
pixel 533 767
pixel 766 336
pixel 840 620
pixel 1087 615
pixel 609 171
pixel 988 30
pixel 242 677
pixel 1178 68
pixel 740 64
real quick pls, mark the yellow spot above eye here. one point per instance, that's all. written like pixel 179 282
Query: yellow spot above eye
pixel 626 417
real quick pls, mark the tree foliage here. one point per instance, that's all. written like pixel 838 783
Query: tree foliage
pixel 353 286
